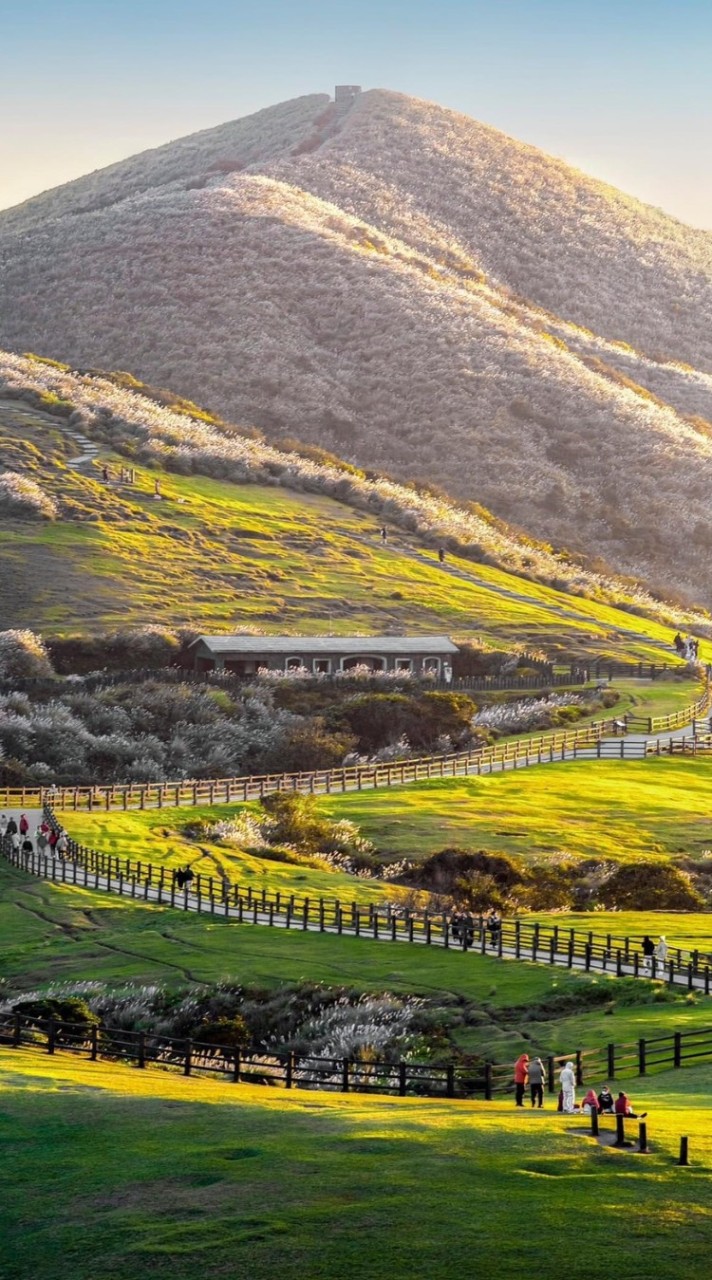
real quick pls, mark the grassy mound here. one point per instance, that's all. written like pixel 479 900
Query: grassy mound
pixel 153 1172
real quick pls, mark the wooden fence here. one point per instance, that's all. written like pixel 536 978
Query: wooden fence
pixel 290 1070
pixel 560 745
pixel 516 939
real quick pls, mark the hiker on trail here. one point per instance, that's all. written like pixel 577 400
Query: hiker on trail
pixel 590 1102
pixel 536 1082
pixel 105 474
pixel 623 1108
pixel 605 1100
pixel 157 489
pixel 567 1080
pixel 384 533
pixel 441 554
pixel 648 949
pixel 494 927
pixel 521 1068
pixel 661 949
pixel 465 929
pixel 679 643
pixel 24 825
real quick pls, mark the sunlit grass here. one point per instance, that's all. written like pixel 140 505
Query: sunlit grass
pixel 153 1172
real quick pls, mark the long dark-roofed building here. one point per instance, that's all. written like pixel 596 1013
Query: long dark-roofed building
pixel 324 655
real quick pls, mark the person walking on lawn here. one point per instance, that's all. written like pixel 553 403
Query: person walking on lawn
pixel 521 1068
pixel 536 1082
pixel 567 1080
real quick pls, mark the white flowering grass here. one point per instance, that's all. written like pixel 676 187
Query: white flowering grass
pixel 23 498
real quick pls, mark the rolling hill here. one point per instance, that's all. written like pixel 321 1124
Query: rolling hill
pixel 412 289
pixel 248 535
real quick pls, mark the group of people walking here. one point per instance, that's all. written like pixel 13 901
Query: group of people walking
pixel 43 839
pixel 654 950
pixel 532 1072
pixel 688 648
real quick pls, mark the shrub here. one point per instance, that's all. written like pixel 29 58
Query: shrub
pixel 23 656
pixel 294 820
pixel 22 497
pixel 651 886
pixel 446 871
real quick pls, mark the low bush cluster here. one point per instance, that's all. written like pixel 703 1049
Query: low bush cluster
pixel 23 499
pixel 479 880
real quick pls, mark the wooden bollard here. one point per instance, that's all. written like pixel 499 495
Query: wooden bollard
pixel 620 1131
pixel 642 1136
pixel 594 1123
pixel 684 1153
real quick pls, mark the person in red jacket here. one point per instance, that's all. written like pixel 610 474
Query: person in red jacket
pixel 623 1107
pixel 521 1070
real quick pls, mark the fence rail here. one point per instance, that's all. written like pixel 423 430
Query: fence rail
pixel 518 939
pixel 562 745
pixel 290 1070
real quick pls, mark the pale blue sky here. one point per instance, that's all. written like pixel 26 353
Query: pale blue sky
pixel 620 88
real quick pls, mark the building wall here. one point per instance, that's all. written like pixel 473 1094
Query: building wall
pixel 325 662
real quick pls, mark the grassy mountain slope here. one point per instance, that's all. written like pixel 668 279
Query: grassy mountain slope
pixel 410 288
pixel 220 554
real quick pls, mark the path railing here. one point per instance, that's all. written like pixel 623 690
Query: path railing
pixel 289 1070
pixel 561 745
pixel 516 939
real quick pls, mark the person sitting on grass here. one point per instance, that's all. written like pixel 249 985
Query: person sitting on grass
pixel 623 1108
pixel 605 1100
pixel 590 1102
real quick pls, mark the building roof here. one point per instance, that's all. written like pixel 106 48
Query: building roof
pixel 296 645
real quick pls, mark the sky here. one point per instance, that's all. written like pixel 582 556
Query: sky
pixel 618 88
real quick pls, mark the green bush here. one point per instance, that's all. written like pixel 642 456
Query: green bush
pixel 650 886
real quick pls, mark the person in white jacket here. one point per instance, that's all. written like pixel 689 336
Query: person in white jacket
pixel 661 950
pixel 567 1080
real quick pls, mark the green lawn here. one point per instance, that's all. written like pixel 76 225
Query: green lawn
pixel 125 1173
pixel 652 808
pixel 218 555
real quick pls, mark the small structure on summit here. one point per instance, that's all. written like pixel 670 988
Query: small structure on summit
pixel 324 655
pixel 345 92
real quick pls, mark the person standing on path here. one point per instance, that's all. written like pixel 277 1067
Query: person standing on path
pixel 384 534
pixel 24 824
pixel 441 555
pixel 648 949
pixel 567 1080
pixel 661 950
pixel 521 1068
pixel 536 1082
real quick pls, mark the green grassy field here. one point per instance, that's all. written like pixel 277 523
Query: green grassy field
pixel 54 934
pixel 157 836
pixel 652 808
pixel 216 555
pixel 122 1172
